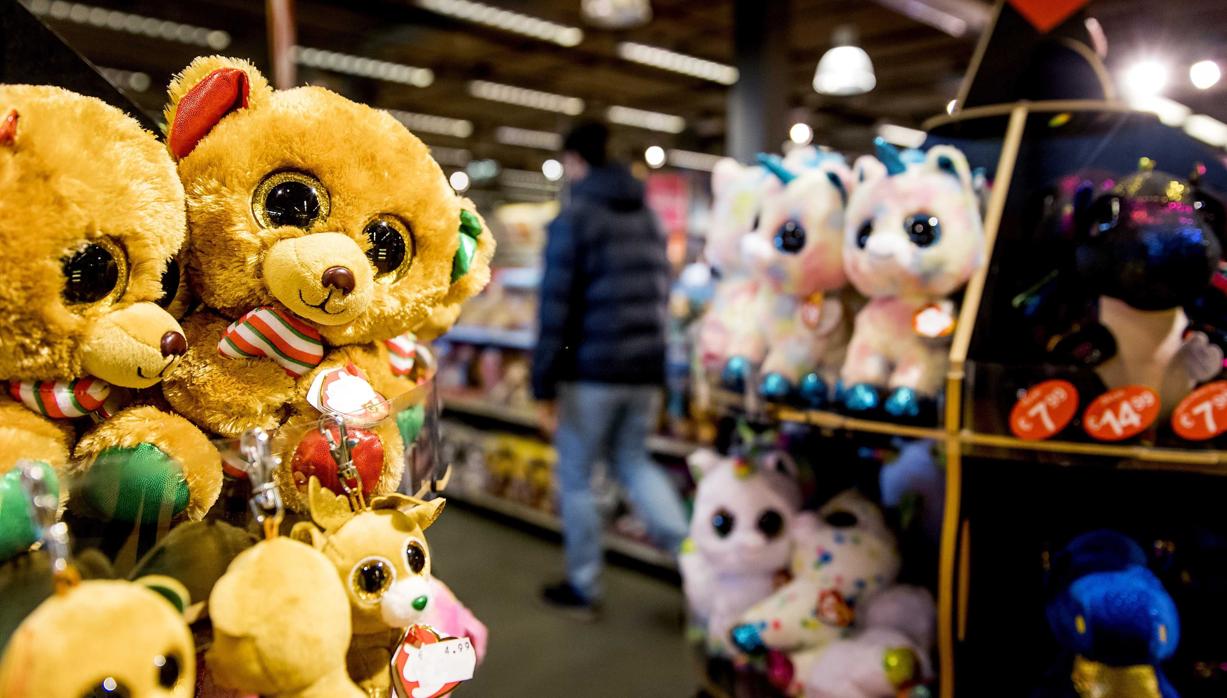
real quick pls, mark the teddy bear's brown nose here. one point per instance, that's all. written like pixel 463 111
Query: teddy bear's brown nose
pixel 173 344
pixel 339 278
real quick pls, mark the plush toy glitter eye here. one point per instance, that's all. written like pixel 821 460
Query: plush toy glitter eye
pixel 862 235
pixel 170 283
pixel 168 667
pixel 841 519
pixel 415 557
pixel 371 578
pixel 290 199
pixel 723 522
pixel 770 523
pixel 94 272
pixel 790 237
pixel 108 688
pixel 392 246
pixel 923 229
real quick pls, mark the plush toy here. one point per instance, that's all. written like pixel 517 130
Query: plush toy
pixel 1112 618
pixel 913 237
pixel 91 218
pixel 380 555
pixel 452 618
pixel 320 229
pixel 740 538
pixel 795 253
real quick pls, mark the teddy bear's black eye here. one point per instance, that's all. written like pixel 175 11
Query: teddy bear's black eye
pixel 392 246
pixel 723 521
pixel 290 199
pixel 110 687
pixel 790 238
pixel 371 578
pixel 93 272
pixel 170 283
pixel 923 229
pixel 168 667
pixel 415 556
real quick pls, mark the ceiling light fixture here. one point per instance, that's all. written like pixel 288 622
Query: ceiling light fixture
pixel 677 62
pixel 552 169
pixel 1169 111
pixel 505 20
pixel 135 81
pixel 692 160
pixel 654 156
pixel 901 135
pixel 528 138
pixel 801 133
pixel 363 67
pixel 523 97
pixel 617 14
pixel 1146 77
pixel 642 118
pixel 1207 129
pixel 430 123
pixel 845 69
pixel 459 181
pixel 128 23
pixel 1204 74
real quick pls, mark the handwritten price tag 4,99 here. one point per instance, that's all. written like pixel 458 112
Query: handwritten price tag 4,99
pixel 428 666
pixel 1121 413
pixel 1203 414
pixel 1044 410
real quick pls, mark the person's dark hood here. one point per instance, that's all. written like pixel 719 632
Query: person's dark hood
pixel 611 186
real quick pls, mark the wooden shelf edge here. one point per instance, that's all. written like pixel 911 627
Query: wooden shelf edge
pixel 1136 452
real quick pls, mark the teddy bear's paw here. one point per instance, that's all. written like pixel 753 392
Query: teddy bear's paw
pixel 17 529
pixel 25 435
pixel 135 483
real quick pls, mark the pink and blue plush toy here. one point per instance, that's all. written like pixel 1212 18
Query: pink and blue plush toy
pixel 913 238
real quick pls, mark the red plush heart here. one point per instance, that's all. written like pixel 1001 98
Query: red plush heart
pixel 312 457
pixel 416 636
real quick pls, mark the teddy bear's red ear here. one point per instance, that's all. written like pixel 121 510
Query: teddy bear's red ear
pixel 220 92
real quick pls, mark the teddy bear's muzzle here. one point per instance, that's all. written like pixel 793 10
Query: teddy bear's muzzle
pixel 323 277
pixel 133 347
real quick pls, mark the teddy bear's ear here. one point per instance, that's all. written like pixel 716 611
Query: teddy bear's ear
pixel 471 264
pixel 204 93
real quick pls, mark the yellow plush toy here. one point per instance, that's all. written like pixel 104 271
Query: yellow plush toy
pixel 319 230
pixel 91 217
pixel 381 556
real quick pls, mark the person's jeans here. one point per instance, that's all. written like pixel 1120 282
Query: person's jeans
pixel 598 421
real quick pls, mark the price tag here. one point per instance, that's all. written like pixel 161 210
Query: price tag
pixel 1044 410
pixel 1121 413
pixel 427 665
pixel 1203 414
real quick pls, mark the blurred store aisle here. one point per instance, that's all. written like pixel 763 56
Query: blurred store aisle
pixel 636 649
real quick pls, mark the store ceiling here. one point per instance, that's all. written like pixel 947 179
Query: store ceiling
pixel 918 67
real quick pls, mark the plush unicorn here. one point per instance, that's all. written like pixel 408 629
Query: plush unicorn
pixel 796 256
pixel 740 538
pixel 912 237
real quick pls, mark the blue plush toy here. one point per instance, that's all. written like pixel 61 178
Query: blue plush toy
pixel 1114 617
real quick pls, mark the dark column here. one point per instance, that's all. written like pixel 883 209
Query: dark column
pixel 758 103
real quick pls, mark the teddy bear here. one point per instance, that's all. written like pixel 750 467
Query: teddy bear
pixel 90 223
pixel 320 230
pixel 740 538
pixel 913 237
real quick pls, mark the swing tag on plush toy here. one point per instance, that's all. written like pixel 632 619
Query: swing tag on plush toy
pixel 346 392
pixel 428 665
pixel 934 320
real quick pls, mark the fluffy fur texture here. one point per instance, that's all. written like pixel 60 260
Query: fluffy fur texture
pixel 290 643
pixel 736 551
pixel 901 272
pixel 99 629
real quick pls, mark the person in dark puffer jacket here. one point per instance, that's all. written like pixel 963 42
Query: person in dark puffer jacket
pixel 599 361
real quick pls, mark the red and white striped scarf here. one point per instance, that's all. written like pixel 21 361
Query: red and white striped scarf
pixel 68 399
pixel 277 334
pixel 402 353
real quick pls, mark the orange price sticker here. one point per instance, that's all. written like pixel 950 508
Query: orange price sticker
pixel 1044 410
pixel 1121 413
pixel 1203 414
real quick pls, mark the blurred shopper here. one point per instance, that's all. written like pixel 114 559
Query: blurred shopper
pixel 599 363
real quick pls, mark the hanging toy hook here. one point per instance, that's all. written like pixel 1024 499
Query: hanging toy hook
pixel 44 504
pixel 342 445
pixel 265 502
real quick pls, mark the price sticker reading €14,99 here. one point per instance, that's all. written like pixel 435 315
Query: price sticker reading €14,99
pixel 1203 414
pixel 1121 413
pixel 1044 410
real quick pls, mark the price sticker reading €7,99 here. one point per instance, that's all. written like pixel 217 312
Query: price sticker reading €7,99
pixel 1044 410
pixel 1202 414
pixel 1121 413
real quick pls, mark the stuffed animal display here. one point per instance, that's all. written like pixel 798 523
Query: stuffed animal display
pixel 913 237
pixel 320 229
pixel 91 221
pixel 740 538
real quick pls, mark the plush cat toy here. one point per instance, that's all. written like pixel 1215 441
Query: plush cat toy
pixel 91 217
pixel 796 257
pixel 1112 618
pixel 740 538
pixel 913 237
pixel 320 230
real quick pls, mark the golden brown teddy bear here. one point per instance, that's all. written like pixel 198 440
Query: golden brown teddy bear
pixel 90 214
pixel 320 229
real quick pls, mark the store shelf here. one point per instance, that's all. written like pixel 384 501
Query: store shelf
pixel 1137 452
pixel 633 549
pixel 728 400
pixel 523 340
